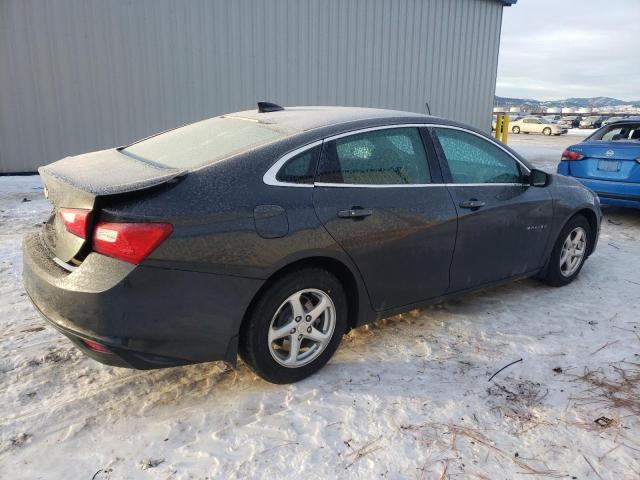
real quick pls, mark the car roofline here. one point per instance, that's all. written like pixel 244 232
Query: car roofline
pixel 269 177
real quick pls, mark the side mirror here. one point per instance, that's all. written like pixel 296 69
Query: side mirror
pixel 538 178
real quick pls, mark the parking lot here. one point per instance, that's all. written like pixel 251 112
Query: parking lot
pixel 544 152
pixel 407 397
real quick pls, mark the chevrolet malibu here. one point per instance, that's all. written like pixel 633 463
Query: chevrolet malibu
pixel 270 233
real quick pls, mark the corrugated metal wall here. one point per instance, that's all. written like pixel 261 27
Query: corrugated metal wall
pixel 81 75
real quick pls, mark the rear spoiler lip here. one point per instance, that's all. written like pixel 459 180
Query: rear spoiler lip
pixel 61 172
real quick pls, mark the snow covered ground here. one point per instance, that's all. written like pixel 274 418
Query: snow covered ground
pixel 408 397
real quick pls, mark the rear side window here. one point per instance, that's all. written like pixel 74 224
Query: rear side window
pixel 202 142
pixel 392 156
pixel 301 168
pixel 472 159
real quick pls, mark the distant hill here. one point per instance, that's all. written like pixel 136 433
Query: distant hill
pixel 569 102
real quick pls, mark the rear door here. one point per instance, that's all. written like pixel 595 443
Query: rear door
pixel 503 224
pixel 379 194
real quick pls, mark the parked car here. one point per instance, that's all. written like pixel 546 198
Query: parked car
pixel 570 121
pixel 537 125
pixel 611 120
pixel 552 118
pixel 272 232
pixel 511 119
pixel 593 121
pixel 608 162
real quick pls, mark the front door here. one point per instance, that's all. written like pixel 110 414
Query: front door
pixel 503 223
pixel 532 125
pixel 375 194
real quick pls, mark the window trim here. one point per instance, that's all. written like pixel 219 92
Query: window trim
pixel 269 178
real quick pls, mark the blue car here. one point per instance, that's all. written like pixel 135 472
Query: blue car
pixel 608 162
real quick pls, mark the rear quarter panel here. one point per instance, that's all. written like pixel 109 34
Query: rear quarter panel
pixel 214 212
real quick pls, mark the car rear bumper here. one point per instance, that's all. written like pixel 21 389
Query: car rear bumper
pixel 147 317
pixel 614 193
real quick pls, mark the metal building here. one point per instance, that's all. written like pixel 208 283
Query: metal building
pixel 82 75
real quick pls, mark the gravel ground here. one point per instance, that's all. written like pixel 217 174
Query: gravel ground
pixel 408 397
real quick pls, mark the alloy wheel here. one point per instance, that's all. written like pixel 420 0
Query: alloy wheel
pixel 573 251
pixel 302 328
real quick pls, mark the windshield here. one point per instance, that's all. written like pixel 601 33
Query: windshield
pixel 203 142
pixel 616 133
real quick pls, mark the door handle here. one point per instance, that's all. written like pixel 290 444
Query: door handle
pixel 355 212
pixel 473 204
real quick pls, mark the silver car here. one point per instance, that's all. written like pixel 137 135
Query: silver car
pixel 537 125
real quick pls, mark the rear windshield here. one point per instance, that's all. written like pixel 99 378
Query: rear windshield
pixel 203 142
pixel 615 132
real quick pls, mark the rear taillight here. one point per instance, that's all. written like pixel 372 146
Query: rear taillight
pixel 131 242
pixel 569 155
pixel 96 346
pixel 75 220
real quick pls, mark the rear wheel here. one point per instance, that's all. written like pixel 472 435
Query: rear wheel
pixel 569 252
pixel 516 129
pixel 295 326
pixel 546 131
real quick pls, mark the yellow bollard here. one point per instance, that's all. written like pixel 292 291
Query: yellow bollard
pixel 505 128
pixel 498 125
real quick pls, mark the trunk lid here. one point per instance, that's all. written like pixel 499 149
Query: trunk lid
pixel 614 161
pixel 86 182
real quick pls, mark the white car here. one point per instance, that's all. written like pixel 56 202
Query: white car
pixel 537 125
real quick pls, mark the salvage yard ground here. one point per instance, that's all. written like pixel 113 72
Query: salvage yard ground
pixel 408 397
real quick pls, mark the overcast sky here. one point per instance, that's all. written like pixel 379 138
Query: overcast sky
pixel 554 49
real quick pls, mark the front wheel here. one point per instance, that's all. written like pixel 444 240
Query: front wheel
pixel 547 131
pixel 569 252
pixel 295 326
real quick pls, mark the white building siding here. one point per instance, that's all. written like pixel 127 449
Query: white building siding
pixel 81 75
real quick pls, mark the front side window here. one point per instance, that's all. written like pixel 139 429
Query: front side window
pixel 473 159
pixel 392 156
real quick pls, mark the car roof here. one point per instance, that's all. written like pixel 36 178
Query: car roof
pixel 301 119
pixel 303 125
pixel 626 121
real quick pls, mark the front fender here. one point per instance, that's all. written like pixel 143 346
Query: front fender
pixel 570 198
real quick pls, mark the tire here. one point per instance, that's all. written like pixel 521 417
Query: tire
pixel 546 131
pixel 274 310
pixel 516 130
pixel 558 274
